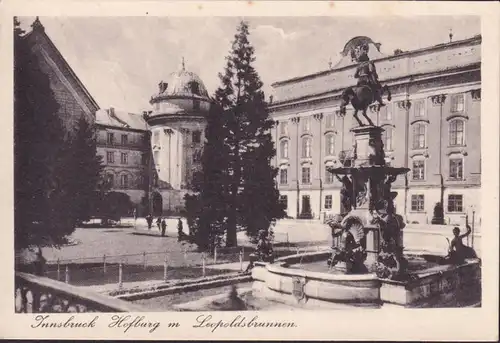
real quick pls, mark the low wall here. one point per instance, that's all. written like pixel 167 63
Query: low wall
pixel 303 288
pixel 443 286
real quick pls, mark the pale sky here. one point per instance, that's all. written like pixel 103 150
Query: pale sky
pixel 121 60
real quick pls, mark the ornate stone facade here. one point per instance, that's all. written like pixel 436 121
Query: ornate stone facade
pixel 432 127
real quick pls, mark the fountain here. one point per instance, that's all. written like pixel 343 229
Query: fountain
pixel 366 266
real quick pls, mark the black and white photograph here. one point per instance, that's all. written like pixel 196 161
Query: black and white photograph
pixel 247 164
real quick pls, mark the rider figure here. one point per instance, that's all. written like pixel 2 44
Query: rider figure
pixel 367 74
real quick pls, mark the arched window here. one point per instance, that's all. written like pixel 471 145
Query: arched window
pixel 306 147
pixel 124 181
pixel 330 144
pixel 110 179
pixel 419 136
pixel 284 149
pixel 456 130
pixel 387 138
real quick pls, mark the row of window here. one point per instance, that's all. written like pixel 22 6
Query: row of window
pixel 110 158
pixel 456 138
pixel 418 108
pixel 195 137
pixel 455 203
pixel 456 172
pixel 124 181
pixel 306 176
pixel 112 141
pixel 456 169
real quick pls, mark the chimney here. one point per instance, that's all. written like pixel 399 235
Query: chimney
pixel 270 99
pixel 162 87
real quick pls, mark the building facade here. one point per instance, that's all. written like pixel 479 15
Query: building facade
pixel 432 127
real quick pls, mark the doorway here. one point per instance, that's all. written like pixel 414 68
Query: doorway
pixel 157 204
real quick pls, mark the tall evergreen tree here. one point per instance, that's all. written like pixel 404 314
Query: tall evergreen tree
pixel 86 165
pixel 42 203
pixel 252 191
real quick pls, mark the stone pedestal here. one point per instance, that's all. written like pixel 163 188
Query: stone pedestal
pixel 369 146
pixel 372 246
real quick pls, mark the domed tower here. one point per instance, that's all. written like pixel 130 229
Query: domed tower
pixel 177 124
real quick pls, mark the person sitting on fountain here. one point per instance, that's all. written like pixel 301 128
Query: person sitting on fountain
pixel 263 251
pixel 458 251
pixel 366 73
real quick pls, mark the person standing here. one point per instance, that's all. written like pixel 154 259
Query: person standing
pixel 149 220
pixel 158 222
pixel 163 227
pixel 179 230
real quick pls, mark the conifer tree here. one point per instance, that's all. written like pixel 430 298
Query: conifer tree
pixel 43 213
pixel 252 194
pixel 87 168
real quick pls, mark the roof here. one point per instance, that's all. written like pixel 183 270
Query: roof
pixel 120 119
pixel 39 30
pixel 182 83
pixel 435 59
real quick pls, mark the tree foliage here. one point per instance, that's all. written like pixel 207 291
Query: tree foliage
pixel 55 172
pixel 238 185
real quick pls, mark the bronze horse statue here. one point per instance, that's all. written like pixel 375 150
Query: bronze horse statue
pixel 361 97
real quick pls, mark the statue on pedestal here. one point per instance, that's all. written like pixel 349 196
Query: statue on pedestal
pixel 367 90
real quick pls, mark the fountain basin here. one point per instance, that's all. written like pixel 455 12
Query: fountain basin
pixel 304 287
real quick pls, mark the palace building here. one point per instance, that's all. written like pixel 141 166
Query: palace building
pixel 432 127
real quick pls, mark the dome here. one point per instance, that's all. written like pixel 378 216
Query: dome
pixel 183 83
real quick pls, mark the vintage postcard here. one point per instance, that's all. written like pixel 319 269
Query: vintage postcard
pixel 256 170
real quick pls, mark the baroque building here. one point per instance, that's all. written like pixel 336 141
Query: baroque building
pixel 432 127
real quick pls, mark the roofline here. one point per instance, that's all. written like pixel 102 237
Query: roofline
pixel 335 93
pixel 407 53
pixel 121 128
pixel 68 67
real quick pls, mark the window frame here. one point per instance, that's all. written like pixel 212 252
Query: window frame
pixel 453 103
pixel 456 159
pixel 124 158
pixel 416 126
pixel 283 143
pixel 330 144
pixel 455 198
pixel 454 133
pixel 110 157
pixel 110 138
pixel 328 201
pixel 124 139
pixel 304 181
pixel 283 180
pixel 124 184
pixel 385 136
pixel 307 147
pixel 419 201
pixel 418 160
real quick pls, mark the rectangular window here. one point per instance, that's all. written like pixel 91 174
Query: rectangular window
pixel 284 128
pixel 124 139
pixel 456 168
pixel 419 108
pixel 387 114
pixel 330 121
pixel 330 145
pixel 111 138
pixel 455 203
pixel 387 138
pixel 124 180
pixel 418 170
pixel 283 176
pixel 456 132
pixel 196 137
pixel 417 202
pixel 328 202
pixel 457 103
pixel 284 201
pixel 110 157
pixel 306 175
pixel 124 158
pixel 328 176
pixel 156 138
pixel 306 124
pixel 419 136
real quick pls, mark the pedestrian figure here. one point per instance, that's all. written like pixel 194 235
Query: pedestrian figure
pixel 180 234
pixel 163 227
pixel 135 218
pixel 158 222
pixel 149 220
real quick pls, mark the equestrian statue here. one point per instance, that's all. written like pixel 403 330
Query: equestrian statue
pixel 368 88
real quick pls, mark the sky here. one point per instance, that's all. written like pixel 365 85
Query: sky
pixel 121 60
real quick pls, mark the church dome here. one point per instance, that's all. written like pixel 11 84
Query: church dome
pixel 183 83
